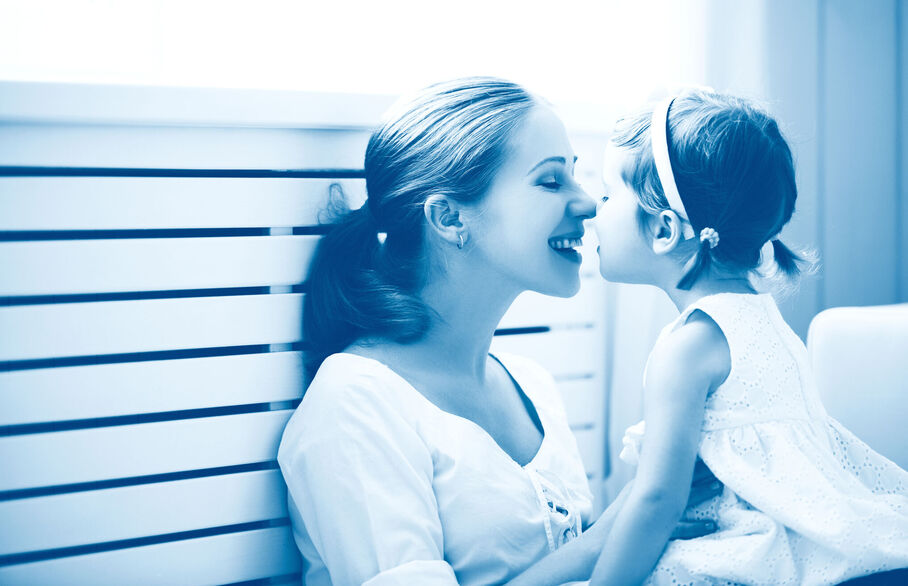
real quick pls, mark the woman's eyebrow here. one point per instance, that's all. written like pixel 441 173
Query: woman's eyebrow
pixel 550 160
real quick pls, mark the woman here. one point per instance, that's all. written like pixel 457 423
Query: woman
pixel 416 457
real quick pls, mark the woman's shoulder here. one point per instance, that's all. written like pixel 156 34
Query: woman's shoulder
pixel 526 370
pixel 343 376
pixel 349 395
pixel 535 381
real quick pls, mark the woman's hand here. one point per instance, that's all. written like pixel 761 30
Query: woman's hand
pixel 703 487
pixel 575 560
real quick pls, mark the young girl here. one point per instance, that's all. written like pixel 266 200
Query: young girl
pixel 695 189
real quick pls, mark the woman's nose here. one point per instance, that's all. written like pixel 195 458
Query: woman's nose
pixel 582 205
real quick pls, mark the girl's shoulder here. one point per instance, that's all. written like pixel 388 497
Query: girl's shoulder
pixel 694 348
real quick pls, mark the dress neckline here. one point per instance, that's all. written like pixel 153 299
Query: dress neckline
pixel 521 389
pixel 694 304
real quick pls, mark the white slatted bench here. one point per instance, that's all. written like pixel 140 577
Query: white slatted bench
pixel 153 250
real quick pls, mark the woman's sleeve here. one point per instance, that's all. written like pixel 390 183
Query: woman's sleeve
pixel 361 478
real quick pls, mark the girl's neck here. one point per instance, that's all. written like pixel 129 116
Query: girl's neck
pixel 708 285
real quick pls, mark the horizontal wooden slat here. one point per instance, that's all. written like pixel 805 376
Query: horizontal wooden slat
pixel 168 105
pixel 535 309
pixel 222 559
pixel 110 327
pixel 171 147
pixel 108 390
pixel 85 455
pixel 564 353
pixel 133 203
pixel 113 514
pixel 152 264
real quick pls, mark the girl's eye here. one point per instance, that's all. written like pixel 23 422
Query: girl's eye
pixel 551 184
pixel 603 199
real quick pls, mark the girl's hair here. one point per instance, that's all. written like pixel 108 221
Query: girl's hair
pixel 450 139
pixel 734 171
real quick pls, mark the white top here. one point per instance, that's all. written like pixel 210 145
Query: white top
pixel 386 488
pixel 805 501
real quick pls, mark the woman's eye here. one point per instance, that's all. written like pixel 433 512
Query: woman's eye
pixel 551 184
pixel 603 199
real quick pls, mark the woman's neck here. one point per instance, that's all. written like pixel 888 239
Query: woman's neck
pixel 463 325
pixel 456 345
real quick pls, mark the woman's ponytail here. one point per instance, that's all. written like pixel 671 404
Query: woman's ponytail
pixel 369 270
pixel 347 298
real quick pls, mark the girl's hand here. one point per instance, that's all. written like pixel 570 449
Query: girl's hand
pixel 703 487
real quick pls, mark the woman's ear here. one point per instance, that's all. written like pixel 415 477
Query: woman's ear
pixel 444 218
pixel 668 231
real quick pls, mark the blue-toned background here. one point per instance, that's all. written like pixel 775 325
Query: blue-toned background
pixel 139 329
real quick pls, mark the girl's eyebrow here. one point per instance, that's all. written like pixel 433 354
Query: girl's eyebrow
pixel 550 160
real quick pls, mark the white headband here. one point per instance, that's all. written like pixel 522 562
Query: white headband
pixel 658 131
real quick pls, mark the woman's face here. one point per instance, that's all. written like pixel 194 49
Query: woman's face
pixel 624 254
pixel 530 222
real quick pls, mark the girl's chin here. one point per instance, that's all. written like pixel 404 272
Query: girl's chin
pixel 614 276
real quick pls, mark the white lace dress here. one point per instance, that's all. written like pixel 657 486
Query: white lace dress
pixel 805 501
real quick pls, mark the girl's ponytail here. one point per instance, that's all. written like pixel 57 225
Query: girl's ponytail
pixel 787 260
pixel 701 261
pixel 734 171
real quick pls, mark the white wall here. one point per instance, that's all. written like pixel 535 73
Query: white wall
pixel 569 51
pixel 832 72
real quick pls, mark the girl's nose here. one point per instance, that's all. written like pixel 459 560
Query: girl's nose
pixel 582 205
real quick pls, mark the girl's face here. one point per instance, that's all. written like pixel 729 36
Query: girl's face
pixel 625 255
pixel 529 223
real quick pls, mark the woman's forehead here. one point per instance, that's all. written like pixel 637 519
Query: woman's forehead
pixel 542 137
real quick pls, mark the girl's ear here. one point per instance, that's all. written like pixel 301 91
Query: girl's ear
pixel 443 218
pixel 668 230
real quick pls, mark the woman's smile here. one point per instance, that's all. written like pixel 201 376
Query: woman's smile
pixel 565 247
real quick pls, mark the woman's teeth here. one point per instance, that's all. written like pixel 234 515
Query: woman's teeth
pixel 564 243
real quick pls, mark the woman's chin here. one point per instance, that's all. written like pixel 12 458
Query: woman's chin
pixel 561 288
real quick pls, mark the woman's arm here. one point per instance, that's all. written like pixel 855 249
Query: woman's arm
pixel 361 479
pixel 684 367
pixel 575 560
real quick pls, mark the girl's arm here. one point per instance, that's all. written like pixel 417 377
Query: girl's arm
pixel 683 368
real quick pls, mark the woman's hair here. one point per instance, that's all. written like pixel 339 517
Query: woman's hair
pixel 450 139
pixel 734 171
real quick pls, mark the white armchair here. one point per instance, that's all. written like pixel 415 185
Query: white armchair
pixel 860 359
